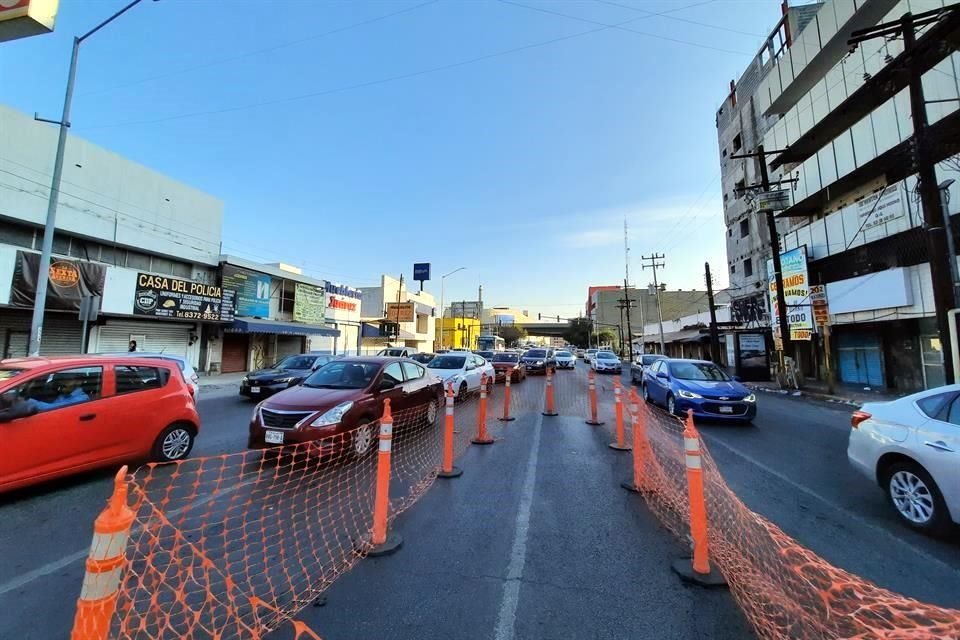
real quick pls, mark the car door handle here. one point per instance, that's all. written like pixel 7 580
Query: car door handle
pixel 939 445
pixel 87 417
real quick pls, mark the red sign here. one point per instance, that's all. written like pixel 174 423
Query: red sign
pixel 10 5
pixel 338 303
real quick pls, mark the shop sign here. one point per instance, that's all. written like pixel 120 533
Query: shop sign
pixel 342 290
pixel 881 208
pixel 773 200
pixel 252 291
pixel 821 311
pixel 23 18
pixel 68 281
pixel 753 350
pixel 796 289
pixel 166 297
pixel 308 303
pixel 400 311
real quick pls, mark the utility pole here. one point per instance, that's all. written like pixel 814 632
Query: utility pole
pixel 624 305
pixel 714 334
pixel 621 305
pixel 399 291
pixel 654 265
pixel 943 294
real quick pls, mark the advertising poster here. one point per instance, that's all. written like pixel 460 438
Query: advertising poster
pixel 69 281
pixel 796 288
pixel 309 303
pixel 400 311
pixel 753 350
pixel 166 297
pixel 252 291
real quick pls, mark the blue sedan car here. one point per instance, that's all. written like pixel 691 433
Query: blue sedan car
pixel 699 385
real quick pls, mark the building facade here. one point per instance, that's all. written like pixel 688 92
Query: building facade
pixel 393 315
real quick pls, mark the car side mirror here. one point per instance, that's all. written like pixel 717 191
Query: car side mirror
pixel 17 411
pixel 662 374
pixel 386 385
pixel 736 379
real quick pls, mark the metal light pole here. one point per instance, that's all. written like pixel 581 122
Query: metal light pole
pixel 40 299
pixel 442 278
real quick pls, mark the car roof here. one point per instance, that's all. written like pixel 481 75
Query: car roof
pixel 42 362
pixel 373 359
pixel 141 354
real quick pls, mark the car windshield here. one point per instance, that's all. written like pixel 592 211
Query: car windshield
pixel 422 358
pixel 535 353
pixel 606 355
pixel 564 354
pixel 698 371
pixel 649 360
pixel 6 374
pixel 295 362
pixel 591 350
pixel 484 354
pixel 342 375
pixel 506 357
pixel 447 362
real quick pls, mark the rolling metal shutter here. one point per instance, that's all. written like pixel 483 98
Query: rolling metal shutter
pixel 233 358
pixel 61 333
pixel 289 346
pixel 160 337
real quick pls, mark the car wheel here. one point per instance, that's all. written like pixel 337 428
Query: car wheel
pixel 174 443
pixel 671 405
pixel 462 392
pixel 433 411
pixel 363 439
pixel 645 393
pixel 916 497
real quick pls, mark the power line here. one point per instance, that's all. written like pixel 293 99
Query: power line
pixel 687 20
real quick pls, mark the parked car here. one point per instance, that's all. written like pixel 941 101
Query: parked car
pixel 640 363
pixel 606 361
pixel 565 360
pixel 486 355
pixel 581 353
pixel 345 395
pixel 397 352
pixel 186 369
pixel 699 385
pixel 588 357
pixel 423 358
pixel 508 363
pixel 60 416
pixel 539 360
pixel 911 448
pixel 286 373
pixel 462 369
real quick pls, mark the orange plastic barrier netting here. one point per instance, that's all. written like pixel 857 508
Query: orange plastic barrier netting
pixel 232 546
pixel 784 589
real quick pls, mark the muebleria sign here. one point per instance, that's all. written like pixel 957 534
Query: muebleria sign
pixel 165 297
pixel 796 292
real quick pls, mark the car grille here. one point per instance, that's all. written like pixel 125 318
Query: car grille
pixel 714 407
pixel 282 419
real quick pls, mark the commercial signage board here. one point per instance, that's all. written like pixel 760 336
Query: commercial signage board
pixel 821 311
pixel 467 309
pixel 68 281
pixel 252 291
pixel 309 303
pixel 421 271
pixel 773 200
pixel 400 311
pixel 796 287
pixel 881 207
pixel 24 18
pixel 343 303
pixel 166 297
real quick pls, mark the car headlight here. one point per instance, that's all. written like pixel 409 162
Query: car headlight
pixel 286 380
pixel 683 393
pixel 750 398
pixel 333 416
pixel 538 363
pixel 256 412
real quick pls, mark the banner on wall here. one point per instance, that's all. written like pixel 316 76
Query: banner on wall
pixel 252 291
pixel 796 289
pixel 309 303
pixel 69 281
pixel 166 297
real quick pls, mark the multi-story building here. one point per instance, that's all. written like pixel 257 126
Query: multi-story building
pixel 394 315
pixel 838 126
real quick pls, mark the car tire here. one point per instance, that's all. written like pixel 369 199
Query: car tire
pixel 364 438
pixel 671 405
pixel 462 392
pixel 646 393
pixel 927 512
pixel 174 443
pixel 433 412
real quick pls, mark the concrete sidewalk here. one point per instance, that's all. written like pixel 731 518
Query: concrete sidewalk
pixel 221 380
pixel 535 540
pixel 843 394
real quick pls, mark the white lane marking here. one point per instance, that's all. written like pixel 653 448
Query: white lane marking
pixel 713 441
pixel 61 563
pixel 518 555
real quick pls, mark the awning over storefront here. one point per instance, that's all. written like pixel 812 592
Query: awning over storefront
pixel 686 335
pixel 281 328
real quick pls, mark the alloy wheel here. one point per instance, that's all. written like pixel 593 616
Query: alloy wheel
pixel 176 444
pixel 671 406
pixel 911 497
pixel 432 412
pixel 362 439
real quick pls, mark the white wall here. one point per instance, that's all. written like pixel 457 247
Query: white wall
pixel 885 291
pixel 104 196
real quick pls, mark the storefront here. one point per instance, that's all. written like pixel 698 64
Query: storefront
pixel 343 314
pixel 253 343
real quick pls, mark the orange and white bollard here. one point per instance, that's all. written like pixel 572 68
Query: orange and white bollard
pixel 385 542
pixel 105 564
pixel 698 571
pixel 548 408
pixel 592 392
pixel 620 444
pixel 638 421
pixel 447 470
pixel 506 417
pixel 482 436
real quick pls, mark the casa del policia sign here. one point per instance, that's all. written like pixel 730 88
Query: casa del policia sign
pixel 165 297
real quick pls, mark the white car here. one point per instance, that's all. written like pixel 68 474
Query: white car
pixel 911 448
pixel 463 369
pixel 606 361
pixel 588 357
pixel 565 360
pixel 189 373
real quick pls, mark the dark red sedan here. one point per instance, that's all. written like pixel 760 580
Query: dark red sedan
pixel 341 396
pixel 508 363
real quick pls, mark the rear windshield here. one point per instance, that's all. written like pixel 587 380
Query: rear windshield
pixel 342 375
pixel 447 362
pixel 506 357
pixel 484 354
pixel 6 374
pixel 648 360
pixel 564 354
pixel 535 353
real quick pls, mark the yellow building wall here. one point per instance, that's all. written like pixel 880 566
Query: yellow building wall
pixel 458 333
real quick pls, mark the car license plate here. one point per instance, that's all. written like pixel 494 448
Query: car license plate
pixel 723 409
pixel 274 437
pixel 257 390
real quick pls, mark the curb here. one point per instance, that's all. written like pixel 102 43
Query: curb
pixel 823 397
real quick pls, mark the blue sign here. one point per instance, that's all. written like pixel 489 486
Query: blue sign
pixel 421 271
pixel 252 291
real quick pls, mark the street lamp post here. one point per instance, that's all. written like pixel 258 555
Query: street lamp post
pixel 442 278
pixel 40 299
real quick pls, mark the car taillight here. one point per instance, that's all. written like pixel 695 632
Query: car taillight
pixel 858 417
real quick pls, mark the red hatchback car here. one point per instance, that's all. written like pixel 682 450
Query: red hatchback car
pixel 346 395
pixel 60 416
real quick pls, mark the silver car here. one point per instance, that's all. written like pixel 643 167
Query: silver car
pixel 911 448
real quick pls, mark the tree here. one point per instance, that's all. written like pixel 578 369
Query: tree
pixel 512 334
pixel 605 336
pixel 578 332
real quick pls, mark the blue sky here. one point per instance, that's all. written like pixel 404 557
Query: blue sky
pixel 355 137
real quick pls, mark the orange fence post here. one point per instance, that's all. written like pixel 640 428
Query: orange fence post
pixel 549 410
pixel 638 420
pixel 592 392
pixel 699 571
pixel 448 470
pixel 384 542
pixel 620 444
pixel 506 417
pixel 482 437
pixel 105 563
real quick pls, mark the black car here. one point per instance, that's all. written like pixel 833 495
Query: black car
pixel 290 371
pixel 640 363
pixel 539 360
